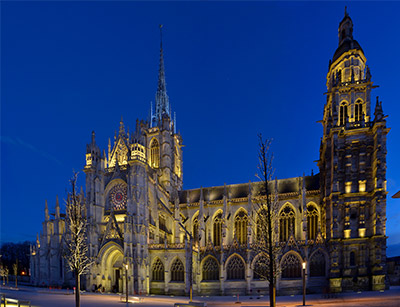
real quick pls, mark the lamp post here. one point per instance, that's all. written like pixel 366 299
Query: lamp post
pixel 304 283
pixel 126 282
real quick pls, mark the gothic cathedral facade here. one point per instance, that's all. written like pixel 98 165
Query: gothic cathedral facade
pixel 140 218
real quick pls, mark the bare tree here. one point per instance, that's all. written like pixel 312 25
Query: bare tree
pixel 266 219
pixel 76 236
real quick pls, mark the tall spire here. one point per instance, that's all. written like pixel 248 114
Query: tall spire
pixel 162 101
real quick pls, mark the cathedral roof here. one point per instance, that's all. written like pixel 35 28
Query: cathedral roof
pixel 241 190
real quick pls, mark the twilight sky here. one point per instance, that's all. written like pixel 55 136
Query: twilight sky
pixel 233 70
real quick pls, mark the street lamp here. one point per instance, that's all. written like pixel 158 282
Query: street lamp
pixel 304 283
pixel 126 282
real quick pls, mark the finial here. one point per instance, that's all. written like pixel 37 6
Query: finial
pixel 345 11
pixel 121 127
pixel 46 211
pixel 161 26
pixel 93 137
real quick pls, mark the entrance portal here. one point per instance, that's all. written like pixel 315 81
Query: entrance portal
pixel 111 267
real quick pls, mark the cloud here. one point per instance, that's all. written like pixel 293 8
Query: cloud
pixel 18 142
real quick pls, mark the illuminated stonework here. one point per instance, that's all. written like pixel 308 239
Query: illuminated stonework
pixel 334 221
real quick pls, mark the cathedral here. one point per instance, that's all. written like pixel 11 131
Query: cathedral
pixel 148 233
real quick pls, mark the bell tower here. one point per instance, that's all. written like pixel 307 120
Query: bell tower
pixel 164 143
pixel 353 170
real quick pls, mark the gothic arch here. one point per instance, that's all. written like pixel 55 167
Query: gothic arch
pixel 177 270
pixel 291 264
pixel 216 228
pixel 343 112
pixel 157 270
pixel 259 266
pixel 358 109
pixel 111 262
pixel 209 268
pixel 240 225
pixel 313 220
pixel 317 267
pixel 287 221
pixel 235 267
pixel 154 152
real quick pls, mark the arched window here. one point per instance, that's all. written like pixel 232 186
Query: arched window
pixel 235 268
pixel 210 269
pixel 177 271
pixel 261 231
pixel 312 222
pixel 291 267
pixel 352 258
pixel 286 223
pixel 261 268
pixel 177 162
pixel 317 264
pixel 195 232
pixel 358 112
pixel 154 154
pixel 241 227
pixel 217 225
pixel 343 114
pixel 157 271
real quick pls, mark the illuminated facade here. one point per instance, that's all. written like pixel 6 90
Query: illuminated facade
pixel 140 216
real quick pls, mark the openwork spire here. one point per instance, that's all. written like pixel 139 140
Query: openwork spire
pixel 162 101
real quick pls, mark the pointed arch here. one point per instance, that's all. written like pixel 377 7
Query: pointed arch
pixel 217 228
pixel 291 265
pixel 241 220
pixel 196 227
pixel 343 113
pixel 260 266
pixel 312 220
pixel 177 270
pixel 235 267
pixel 287 222
pixel 318 263
pixel 154 153
pixel 157 270
pixel 358 110
pixel 210 268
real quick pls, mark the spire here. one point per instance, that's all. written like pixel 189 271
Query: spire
pixel 46 211
pixel 162 100
pixel 57 208
pixel 93 138
pixel 121 127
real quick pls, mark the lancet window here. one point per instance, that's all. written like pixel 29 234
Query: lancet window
pixel 261 268
pixel 312 222
pixel 317 264
pixel 195 233
pixel 154 154
pixel 235 268
pixel 157 271
pixel 261 230
pixel 358 113
pixel 291 267
pixel 210 269
pixel 286 223
pixel 177 271
pixel 343 114
pixel 217 234
pixel 241 227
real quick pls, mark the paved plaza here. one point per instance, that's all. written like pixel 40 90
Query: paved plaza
pixel 41 297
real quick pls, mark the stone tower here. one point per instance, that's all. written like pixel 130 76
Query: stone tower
pixel 353 170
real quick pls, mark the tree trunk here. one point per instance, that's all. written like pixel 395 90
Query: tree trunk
pixel 77 290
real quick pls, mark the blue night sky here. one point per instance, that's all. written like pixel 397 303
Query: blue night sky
pixel 233 70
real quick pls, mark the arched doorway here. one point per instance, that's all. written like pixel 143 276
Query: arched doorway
pixel 112 272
